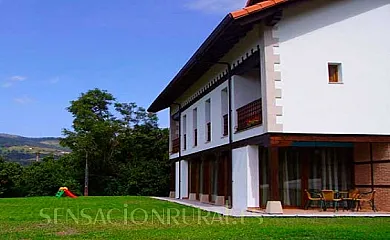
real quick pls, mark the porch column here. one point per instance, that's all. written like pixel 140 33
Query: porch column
pixel 273 158
pixel 275 205
pixel 183 179
pixel 194 179
pixel 246 178
pixel 172 181
pixel 177 179
pixel 205 195
pixel 222 175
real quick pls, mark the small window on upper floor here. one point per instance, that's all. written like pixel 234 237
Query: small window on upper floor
pixel 334 71
pixel 208 119
pixel 184 132
pixel 195 126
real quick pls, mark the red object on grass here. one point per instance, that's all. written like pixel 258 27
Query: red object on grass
pixel 69 194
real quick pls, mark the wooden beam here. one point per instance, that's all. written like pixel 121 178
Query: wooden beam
pixel 285 138
pixel 273 158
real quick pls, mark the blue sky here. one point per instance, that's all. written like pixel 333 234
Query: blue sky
pixel 52 50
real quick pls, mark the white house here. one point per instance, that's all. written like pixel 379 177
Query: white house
pixel 283 96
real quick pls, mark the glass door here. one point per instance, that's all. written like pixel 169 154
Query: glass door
pixel 290 177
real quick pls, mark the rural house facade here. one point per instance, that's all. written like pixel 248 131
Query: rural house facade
pixel 283 96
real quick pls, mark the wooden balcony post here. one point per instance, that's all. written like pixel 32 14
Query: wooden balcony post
pixel 273 158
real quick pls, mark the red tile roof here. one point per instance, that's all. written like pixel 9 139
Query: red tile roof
pixel 252 7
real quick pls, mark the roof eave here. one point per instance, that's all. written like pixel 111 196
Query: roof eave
pixel 202 49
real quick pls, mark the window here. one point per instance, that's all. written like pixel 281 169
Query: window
pixel 224 110
pixel 195 125
pixel 175 140
pixel 334 71
pixel 208 119
pixel 184 132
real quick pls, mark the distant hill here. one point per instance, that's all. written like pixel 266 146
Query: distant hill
pixel 24 150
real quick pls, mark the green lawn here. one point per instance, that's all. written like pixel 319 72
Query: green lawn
pixel 145 218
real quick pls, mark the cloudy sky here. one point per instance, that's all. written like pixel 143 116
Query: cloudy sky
pixel 51 51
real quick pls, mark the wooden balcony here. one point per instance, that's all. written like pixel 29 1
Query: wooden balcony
pixel 249 115
pixel 225 125
pixel 176 145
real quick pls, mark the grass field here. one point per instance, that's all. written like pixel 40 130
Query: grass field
pixel 145 218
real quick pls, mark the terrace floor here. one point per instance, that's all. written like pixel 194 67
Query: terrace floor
pixel 315 213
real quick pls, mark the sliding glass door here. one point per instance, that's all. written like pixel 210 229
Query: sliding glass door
pixel 331 168
pixel 315 169
pixel 290 177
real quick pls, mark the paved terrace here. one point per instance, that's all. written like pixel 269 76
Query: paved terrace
pixel 287 212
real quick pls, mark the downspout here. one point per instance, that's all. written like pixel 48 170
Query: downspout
pixel 179 105
pixel 229 72
pixel 230 122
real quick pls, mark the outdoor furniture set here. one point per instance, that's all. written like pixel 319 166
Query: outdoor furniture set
pixel 349 200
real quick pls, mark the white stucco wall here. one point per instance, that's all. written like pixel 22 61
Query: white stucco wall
pixel 245 186
pixel 217 138
pixel 246 89
pixel 355 33
pixel 244 46
pixel 239 178
pixel 184 179
pixel 253 182
pixel 177 180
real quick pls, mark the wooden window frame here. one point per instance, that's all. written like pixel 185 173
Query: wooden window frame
pixel 334 73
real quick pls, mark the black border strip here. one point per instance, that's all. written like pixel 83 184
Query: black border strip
pixel 369 162
pixel 375 186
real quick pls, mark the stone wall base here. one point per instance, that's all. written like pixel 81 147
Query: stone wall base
pixel 220 201
pixel 172 194
pixel 274 207
pixel 204 198
pixel 192 197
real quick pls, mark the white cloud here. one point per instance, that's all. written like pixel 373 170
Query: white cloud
pixel 24 100
pixel 54 80
pixel 215 6
pixel 10 81
pixel 17 78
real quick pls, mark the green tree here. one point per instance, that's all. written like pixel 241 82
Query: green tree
pixel 126 151
pixel 46 177
pixel 10 175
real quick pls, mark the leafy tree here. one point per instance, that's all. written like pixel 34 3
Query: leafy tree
pixel 10 174
pixel 45 177
pixel 126 151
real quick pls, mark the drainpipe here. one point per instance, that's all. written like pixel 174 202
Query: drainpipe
pixel 179 105
pixel 230 111
pixel 229 70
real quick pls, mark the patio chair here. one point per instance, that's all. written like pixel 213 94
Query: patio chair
pixel 313 197
pixel 350 198
pixel 328 196
pixel 362 198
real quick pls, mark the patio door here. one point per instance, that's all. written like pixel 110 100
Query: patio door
pixel 290 177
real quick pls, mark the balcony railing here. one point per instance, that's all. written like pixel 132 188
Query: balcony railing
pixel 249 115
pixel 176 145
pixel 208 136
pixel 225 125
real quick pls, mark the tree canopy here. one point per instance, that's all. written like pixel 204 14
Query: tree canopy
pixel 126 150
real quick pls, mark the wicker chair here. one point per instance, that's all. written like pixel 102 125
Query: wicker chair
pixel 350 200
pixel 311 199
pixel 328 196
pixel 362 199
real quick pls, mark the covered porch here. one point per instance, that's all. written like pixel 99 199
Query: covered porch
pixel 291 164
